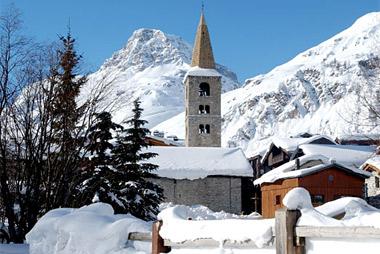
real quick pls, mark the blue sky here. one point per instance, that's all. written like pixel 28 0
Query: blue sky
pixel 248 36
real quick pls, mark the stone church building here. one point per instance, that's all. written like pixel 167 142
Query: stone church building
pixel 203 172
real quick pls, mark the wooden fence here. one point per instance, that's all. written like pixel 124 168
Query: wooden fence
pixel 289 238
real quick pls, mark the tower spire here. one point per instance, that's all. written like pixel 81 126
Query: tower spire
pixel 202 52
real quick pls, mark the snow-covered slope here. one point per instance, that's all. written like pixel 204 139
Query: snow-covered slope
pixel 322 90
pixel 151 66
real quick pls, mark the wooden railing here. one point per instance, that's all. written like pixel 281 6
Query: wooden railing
pixel 289 238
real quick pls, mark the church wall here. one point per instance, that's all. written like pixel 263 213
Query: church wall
pixel 216 192
pixel 194 119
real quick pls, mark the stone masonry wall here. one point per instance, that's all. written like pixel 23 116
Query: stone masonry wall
pixel 193 119
pixel 217 193
pixel 373 192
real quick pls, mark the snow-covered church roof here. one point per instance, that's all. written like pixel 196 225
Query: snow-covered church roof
pixel 199 162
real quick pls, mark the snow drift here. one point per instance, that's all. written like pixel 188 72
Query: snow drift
pixel 93 229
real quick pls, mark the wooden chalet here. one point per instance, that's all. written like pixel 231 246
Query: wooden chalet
pixel 325 180
pixel 279 152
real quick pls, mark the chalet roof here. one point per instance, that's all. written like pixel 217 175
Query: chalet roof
pixel 372 163
pixel 202 51
pixel 349 155
pixel 308 164
pixel 289 144
pixel 199 162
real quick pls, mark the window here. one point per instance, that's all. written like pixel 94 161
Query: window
pixel 201 109
pixel 317 199
pixel 204 129
pixel 204 89
pixel 377 182
pixel 207 109
pixel 207 129
pixel 278 200
pixel 201 129
pixel 204 109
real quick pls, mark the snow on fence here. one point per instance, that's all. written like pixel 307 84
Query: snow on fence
pixel 290 239
pixel 301 230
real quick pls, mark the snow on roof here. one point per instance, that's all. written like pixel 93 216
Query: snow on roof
pixel 199 162
pixel 197 71
pixel 349 155
pixel 166 140
pixel 309 164
pixel 373 161
pixel 288 144
pixel 291 144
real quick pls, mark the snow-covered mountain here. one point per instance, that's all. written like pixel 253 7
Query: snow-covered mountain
pixel 325 89
pixel 151 66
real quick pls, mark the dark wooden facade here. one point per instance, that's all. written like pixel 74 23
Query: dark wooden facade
pixel 324 186
pixel 273 158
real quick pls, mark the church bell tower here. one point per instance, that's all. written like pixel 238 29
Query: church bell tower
pixel 203 94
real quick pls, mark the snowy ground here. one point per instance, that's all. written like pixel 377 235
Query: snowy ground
pixel 95 229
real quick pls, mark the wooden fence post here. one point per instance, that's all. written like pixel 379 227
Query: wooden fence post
pixel 286 240
pixel 158 245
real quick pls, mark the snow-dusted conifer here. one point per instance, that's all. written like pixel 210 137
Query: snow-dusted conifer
pixel 135 194
pixel 97 175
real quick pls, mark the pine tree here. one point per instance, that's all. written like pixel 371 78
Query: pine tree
pixel 98 173
pixel 135 194
pixel 66 141
pixel 65 110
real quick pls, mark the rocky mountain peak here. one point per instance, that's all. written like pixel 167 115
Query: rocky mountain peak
pixel 149 48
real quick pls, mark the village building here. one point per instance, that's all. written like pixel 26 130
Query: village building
pixel 278 152
pixel 219 178
pixel 152 140
pixel 325 179
pixel 372 184
pixel 359 139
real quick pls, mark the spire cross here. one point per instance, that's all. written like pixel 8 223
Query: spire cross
pixel 203 6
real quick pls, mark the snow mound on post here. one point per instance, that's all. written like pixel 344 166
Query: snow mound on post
pixel 182 223
pixel 297 198
pixel 93 229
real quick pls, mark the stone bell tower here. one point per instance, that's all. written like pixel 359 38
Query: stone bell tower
pixel 203 94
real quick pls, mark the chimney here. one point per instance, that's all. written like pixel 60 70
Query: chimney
pixel 297 163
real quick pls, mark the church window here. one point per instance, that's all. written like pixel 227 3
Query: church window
pixel 201 109
pixel 207 129
pixel 204 109
pixel 207 109
pixel 204 89
pixel 201 129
